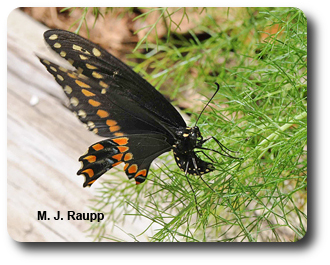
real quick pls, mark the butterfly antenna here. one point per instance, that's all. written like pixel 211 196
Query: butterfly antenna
pixel 200 114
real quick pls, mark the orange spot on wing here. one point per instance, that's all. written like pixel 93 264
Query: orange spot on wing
pixel 89 171
pixel 114 128
pixel 121 141
pixel 126 166
pixel 89 66
pixel 94 103
pixel 102 84
pixel 72 75
pixel 122 149
pixel 128 157
pixel 116 164
pixel 97 75
pixel 97 147
pixel 142 172
pixel 87 93
pixel 118 157
pixel 91 182
pixel 82 84
pixel 90 159
pixel 102 113
pixel 132 169
pixel 118 134
pixel 111 122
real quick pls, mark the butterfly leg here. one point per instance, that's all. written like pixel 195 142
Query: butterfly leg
pixel 205 155
pixel 223 148
pixel 219 143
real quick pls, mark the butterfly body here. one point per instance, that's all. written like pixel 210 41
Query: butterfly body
pixel 117 103
pixel 187 139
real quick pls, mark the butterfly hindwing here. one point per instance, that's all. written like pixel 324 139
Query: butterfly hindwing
pixel 136 151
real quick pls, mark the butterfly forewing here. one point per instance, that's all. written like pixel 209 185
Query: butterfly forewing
pixel 105 116
pixel 95 62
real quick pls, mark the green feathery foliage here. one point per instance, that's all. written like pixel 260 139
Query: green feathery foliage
pixel 259 58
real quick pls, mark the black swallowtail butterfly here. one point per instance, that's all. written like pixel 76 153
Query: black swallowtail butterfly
pixel 117 103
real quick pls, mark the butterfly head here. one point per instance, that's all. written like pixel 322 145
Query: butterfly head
pixel 187 139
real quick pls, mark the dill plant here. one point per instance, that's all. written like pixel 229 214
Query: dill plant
pixel 259 58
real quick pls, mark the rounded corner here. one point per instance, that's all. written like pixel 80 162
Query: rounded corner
pixel 11 12
pixel 14 237
pixel 301 12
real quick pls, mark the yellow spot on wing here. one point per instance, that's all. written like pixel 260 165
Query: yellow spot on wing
pixel 102 84
pixel 96 52
pixel 74 101
pixel 53 37
pixel 81 75
pixel 60 77
pixel 67 89
pixel 63 69
pixel 82 113
pixel 83 57
pixel 89 66
pixel 57 45
pixel 79 48
pixel 72 75
pixel 63 53
pixel 90 124
pixel 97 75
pixel 76 47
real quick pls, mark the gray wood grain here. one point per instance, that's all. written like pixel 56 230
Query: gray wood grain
pixel 42 145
